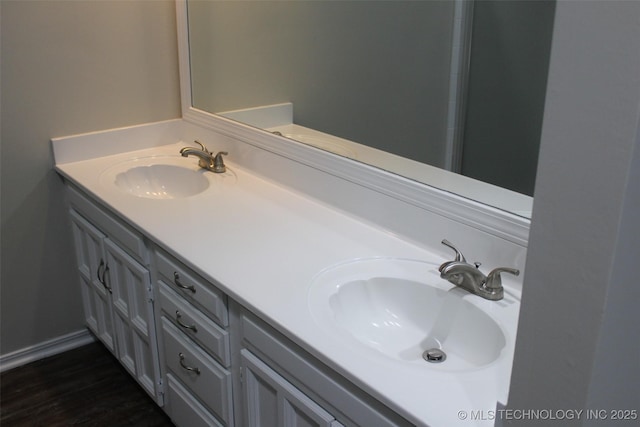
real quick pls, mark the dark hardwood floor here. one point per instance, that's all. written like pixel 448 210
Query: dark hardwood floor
pixel 82 387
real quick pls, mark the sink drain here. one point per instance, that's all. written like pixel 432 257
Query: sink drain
pixel 434 355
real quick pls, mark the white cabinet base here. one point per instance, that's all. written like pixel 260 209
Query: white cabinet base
pixel 270 400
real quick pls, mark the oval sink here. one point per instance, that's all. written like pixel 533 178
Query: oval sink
pixel 163 177
pixel 402 308
pixel 161 181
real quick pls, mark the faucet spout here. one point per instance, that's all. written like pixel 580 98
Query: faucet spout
pixel 206 160
pixel 467 276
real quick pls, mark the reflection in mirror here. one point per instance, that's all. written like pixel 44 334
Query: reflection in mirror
pixel 408 86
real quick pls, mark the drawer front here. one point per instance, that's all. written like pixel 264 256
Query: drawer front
pixel 202 375
pixel 195 324
pixel 184 409
pixel 193 288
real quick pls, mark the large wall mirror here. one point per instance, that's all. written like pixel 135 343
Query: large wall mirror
pixel 408 86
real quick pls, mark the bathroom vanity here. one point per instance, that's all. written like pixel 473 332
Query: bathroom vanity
pixel 232 300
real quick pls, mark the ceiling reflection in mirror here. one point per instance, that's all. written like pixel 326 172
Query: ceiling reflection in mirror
pixel 408 86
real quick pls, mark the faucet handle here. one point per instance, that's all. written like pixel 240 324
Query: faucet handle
pixel 218 162
pixel 494 281
pixel 202 146
pixel 459 256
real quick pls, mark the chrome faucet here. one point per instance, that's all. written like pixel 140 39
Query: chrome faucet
pixel 207 159
pixel 470 278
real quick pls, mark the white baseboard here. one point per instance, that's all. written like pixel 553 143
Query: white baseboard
pixel 45 349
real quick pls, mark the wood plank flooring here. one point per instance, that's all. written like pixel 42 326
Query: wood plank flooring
pixel 82 387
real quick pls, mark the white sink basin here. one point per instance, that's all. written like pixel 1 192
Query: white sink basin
pixel 161 177
pixel 401 308
pixel 161 182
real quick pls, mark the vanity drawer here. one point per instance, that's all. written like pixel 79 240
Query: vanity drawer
pixel 184 409
pixel 195 324
pixel 202 375
pixel 193 288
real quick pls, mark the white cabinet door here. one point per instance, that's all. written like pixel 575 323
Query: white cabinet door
pixel 118 304
pixel 270 400
pixel 91 262
pixel 133 316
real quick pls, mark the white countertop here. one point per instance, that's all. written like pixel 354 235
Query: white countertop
pixel 264 244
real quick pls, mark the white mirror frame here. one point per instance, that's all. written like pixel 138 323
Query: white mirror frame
pixel 498 222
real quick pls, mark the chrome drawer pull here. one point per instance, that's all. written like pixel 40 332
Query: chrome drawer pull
pixel 100 267
pixel 106 279
pixel 176 280
pixel 185 326
pixel 188 368
pixel 105 270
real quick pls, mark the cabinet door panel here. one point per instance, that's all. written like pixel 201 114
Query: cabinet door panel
pixel 261 400
pixel 89 304
pixel 147 364
pixel 117 294
pixel 88 242
pixel 349 402
pixel 126 352
pixel 133 313
pixel 271 400
pixel 97 313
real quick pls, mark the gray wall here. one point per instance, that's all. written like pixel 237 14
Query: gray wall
pixel 506 92
pixel 67 67
pixel 578 343
pixel 372 72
